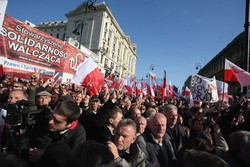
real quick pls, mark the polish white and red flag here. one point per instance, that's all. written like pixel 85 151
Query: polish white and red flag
pixel 128 85
pixel 233 73
pixel 144 88
pixel 152 76
pixel 222 89
pixel 170 90
pixel 150 90
pixel 187 92
pixel 88 74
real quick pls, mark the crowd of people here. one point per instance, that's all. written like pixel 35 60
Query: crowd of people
pixel 45 124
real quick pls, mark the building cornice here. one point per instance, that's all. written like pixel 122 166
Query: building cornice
pixel 103 7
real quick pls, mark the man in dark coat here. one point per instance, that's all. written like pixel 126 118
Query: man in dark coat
pixel 156 143
pixel 63 129
pixel 176 132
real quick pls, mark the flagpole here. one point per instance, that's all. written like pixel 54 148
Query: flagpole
pixel 247 38
pixel 223 89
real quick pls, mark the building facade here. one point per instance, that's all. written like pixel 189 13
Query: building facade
pixel 97 30
pixel 234 52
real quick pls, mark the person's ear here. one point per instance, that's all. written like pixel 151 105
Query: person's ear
pixel 134 138
pixel 69 125
pixel 111 120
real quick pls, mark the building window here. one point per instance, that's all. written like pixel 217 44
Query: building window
pixel 110 33
pixel 108 41
pixel 45 30
pixel 105 34
pixel 106 62
pixel 63 38
pixel 52 29
pixel 57 35
pixel 51 34
pixel 118 52
pixel 101 59
pixel 112 65
pixel 58 29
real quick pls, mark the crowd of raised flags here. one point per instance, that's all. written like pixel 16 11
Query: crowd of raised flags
pixel 88 74
pixel 201 88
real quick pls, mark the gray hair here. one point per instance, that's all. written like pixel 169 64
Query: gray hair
pixel 127 122
pixel 170 107
pixel 239 140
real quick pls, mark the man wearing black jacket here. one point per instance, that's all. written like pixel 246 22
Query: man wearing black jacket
pixel 64 131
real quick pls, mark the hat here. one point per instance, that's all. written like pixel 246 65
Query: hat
pixel 95 97
pixel 43 93
pixel 66 97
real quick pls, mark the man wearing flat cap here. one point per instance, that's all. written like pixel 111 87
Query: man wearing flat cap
pixel 38 135
pixel 43 99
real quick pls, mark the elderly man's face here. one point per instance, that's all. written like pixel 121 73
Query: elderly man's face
pixel 141 124
pixel 172 116
pixel 124 137
pixel 43 100
pixel 158 126
pixel 14 96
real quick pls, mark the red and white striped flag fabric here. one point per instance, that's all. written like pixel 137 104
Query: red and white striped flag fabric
pixel 233 73
pixel 170 90
pixel 88 74
pixel 187 92
pixel 152 76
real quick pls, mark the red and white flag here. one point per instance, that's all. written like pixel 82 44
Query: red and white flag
pixel 152 76
pixel 88 74
pixel 233 73
pixel 222 89
pixel 187 92
pixel 170 90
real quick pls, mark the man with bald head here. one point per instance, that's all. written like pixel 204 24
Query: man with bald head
pixel 156 143
pixel 178 136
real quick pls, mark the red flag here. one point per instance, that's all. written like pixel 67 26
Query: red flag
pixel 88 74
pixel 233 73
